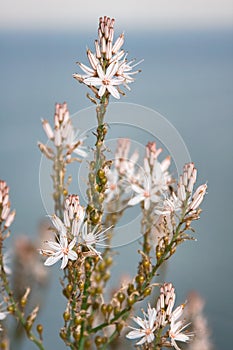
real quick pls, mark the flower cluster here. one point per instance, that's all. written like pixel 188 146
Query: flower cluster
pixel 109 67
pixel 180 208
pixel 67 148
pixel 147 183
pixel 62 135
pixel 161 324
pixel 71 235
pixel 153 178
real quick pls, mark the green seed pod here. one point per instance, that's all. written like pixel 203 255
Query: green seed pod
pixel 140 279
pixel 147 291
pixel 130 289
pixel 101 266
pixel 66 316
pixel 92 165
pixel 101 173
pixel 104 180
pixel 108 260
pixel 121 297
pixel 131 300
pixel 39 328
pixel 104 309
pixel 77 320
pixel 98 341
pixel 119 326
pixel 62 334
pixel 109 308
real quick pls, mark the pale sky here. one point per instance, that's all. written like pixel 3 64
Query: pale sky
pixel 67 14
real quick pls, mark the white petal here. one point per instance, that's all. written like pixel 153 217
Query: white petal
pixel 64 261
pixel 137 189
pixel 113 91
pixel 52 259
pixel 100 72
pixel 134 334
pixel 72 244
pixel 111 70
pixel 147 203
pixel 72 255
pixel 54 245
pixel 102 90
pixel 86 69
pixel 58 224
pixel 136 200
pixel 142 341
pixel 93 81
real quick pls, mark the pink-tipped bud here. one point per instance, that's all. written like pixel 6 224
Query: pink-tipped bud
pixel 103 45
pixel 118 44
pixel 10 219
pixel 97 49
pixel 5 211
pixel 181 192
pixel 47 128
pixel 198 197
pixel 92 59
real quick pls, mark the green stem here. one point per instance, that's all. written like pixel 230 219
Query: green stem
pixel 18 313
pixel 147 282
pixel 58 182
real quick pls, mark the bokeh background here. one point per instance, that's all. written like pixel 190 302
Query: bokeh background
pixel 187 77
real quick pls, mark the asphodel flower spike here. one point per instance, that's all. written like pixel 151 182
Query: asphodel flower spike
pixel 109 67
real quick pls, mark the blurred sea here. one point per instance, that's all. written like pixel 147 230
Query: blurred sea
pixel 187 76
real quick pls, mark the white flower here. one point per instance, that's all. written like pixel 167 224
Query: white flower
pixel 106 80
pixel 144 194
pixel 72 142
pixel 61 249
pixel 148 326
pixel 93 238
pixel 160 176
pixel 176 328
pixel 170 205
